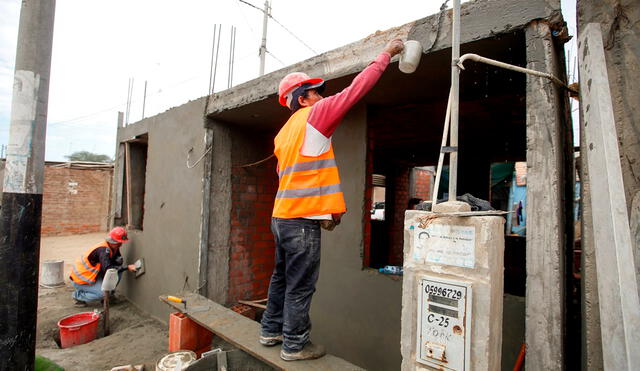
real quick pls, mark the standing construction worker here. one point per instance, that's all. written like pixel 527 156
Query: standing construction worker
pixel 309 197
pixel 88 271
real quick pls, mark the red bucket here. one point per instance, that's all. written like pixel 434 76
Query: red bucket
pixel 77 329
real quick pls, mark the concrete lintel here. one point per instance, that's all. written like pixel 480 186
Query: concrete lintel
pixel 617 285
pixel 545 295
pixel 479 19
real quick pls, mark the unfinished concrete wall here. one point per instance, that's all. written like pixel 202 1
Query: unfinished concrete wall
pixel 169 240
pixel 620 24
pixel 355 312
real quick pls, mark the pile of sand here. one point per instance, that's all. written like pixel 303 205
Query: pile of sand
pixel 135 337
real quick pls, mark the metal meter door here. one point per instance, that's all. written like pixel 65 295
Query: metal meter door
pixel 444 312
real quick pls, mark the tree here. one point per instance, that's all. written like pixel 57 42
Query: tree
pixel 88 156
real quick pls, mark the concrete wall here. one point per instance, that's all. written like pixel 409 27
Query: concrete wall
pixel 170 236
pixel 355 312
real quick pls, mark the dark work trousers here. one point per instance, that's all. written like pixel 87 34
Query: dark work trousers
pixel 293 281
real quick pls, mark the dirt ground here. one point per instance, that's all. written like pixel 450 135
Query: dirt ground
pixel 135 338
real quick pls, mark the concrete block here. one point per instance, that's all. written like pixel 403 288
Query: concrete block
pixel 451 207
pixel 485 277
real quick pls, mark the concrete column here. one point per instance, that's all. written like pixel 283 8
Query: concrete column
pixel 220 214
pixel 470 251
pixel 591 335
pixel 545 295
pixel 617 284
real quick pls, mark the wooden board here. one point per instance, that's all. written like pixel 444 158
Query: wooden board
pixel 243 333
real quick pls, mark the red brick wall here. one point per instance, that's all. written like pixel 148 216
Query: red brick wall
pixel 396 224
pixel 422 184
pixel 75 200
pixel 252 250
pixel 368 202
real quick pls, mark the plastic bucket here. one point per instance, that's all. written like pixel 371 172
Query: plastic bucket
pixel 77 329
pixel 52 274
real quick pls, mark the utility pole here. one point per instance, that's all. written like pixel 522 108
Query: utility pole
pixel 263 45
pixel 23 181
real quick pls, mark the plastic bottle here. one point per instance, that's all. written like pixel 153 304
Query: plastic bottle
pixel 391 269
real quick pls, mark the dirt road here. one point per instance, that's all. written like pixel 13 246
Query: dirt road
pixel 135 337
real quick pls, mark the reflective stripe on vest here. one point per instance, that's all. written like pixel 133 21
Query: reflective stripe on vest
pixel 82 272
pixel 308 186
pixel 309 165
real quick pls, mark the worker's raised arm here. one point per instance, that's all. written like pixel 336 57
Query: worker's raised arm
pixel 327 113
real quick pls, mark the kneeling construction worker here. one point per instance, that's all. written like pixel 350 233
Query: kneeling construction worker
pixel 88 271
pixel 309 197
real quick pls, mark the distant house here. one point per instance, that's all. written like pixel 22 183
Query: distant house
pixel 76 197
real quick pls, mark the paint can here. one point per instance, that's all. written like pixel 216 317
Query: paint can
pixel 410 56
pixel 52 274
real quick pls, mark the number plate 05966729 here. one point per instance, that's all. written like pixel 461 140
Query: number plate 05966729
pixel 444 309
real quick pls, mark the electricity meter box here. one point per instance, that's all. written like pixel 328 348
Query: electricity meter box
pixel 444 317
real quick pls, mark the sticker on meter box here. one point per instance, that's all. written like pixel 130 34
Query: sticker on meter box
pixel 443 335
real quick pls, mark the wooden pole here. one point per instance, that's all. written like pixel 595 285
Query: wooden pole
pixel 105 313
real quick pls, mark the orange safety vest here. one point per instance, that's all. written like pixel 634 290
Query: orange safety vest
pixel 83 272
pixel 309 186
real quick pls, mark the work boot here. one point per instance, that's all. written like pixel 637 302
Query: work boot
pixel 269 341
pixel 310 351
pixel 79 304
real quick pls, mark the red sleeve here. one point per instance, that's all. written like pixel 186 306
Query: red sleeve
pixel 328 112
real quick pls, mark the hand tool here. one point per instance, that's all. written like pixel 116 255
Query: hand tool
pixel 176 299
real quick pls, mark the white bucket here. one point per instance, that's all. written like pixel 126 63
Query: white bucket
pixel 410 56
pixel 110 280
pixel 176 361
pixel 52 273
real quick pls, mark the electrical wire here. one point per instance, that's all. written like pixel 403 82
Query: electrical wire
pixel 257 162
pixel 200 159
pixel 294 35
pixel 276 58
pixel 283 26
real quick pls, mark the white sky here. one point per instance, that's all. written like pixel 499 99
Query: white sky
pixel 99 45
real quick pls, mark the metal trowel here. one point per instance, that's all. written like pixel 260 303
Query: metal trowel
pixel 139 267
pixel 188 310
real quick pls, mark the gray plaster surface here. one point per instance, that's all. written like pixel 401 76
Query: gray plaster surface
pixel 355 311
pixel 486 278
pixel 169 239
